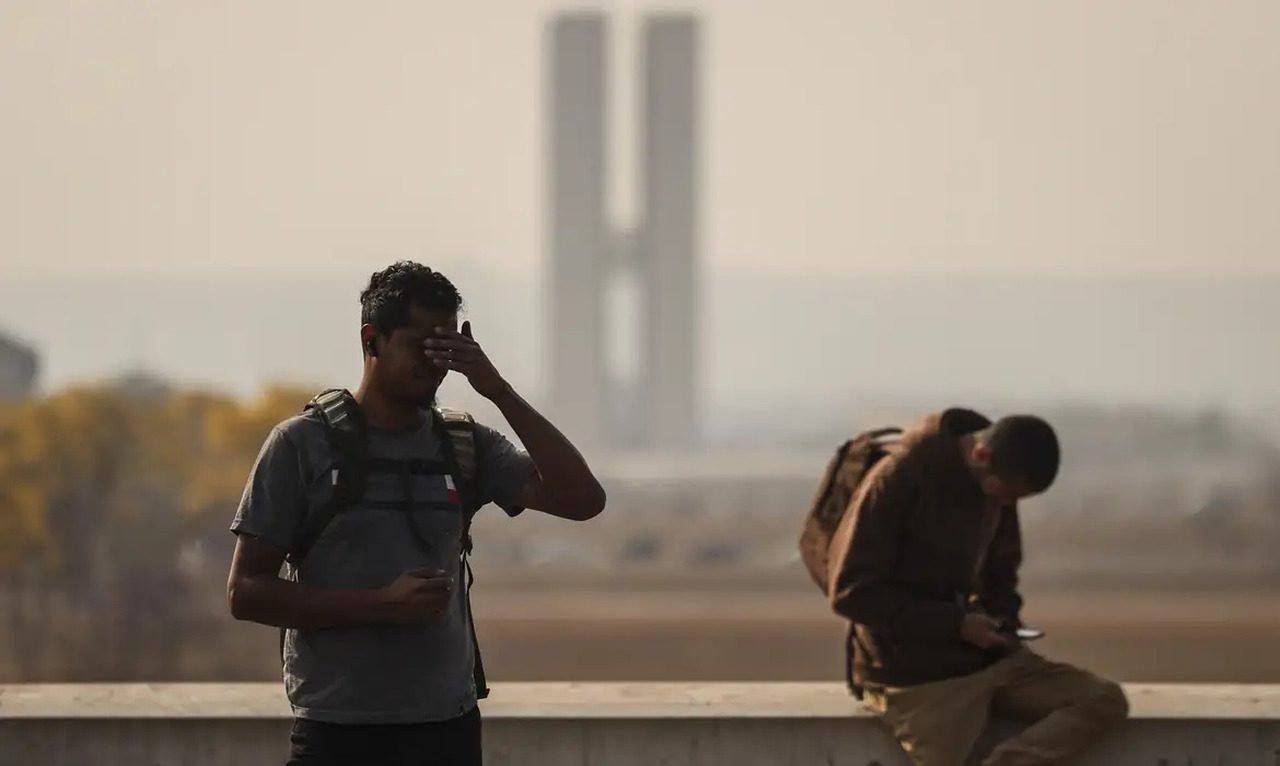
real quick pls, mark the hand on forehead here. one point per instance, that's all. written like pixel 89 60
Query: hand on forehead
pixel 426 320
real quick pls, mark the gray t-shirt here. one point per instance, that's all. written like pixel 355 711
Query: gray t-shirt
pixel 408 517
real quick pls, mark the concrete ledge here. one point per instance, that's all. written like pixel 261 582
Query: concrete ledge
pixel 594 723
pixel 1255 702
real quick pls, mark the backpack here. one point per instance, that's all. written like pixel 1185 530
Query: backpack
pixel 846 470
pixel 347 434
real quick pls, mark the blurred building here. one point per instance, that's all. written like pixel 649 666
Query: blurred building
pixel 659 408
pixel 19 367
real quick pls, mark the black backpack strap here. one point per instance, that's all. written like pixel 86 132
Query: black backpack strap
pixel 477 672
pixel 345 430
pixel 460 455
pixel 849 638
pixel 347 435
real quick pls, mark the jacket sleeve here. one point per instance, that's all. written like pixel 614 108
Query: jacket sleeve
pixel 861 584
pixel 1000 579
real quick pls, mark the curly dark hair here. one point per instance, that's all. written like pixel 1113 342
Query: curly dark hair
pixel 385 302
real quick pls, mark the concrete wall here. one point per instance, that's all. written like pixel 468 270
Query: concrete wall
pixel 610 724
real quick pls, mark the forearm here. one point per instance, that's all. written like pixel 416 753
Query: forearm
pixel 284 604
pixel 564 472
pixel 1000 596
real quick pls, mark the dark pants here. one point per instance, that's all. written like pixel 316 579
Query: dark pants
pixel 447 743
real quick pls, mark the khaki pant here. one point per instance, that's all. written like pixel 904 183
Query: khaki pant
pixel 1067 709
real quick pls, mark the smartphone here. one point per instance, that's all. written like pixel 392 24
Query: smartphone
pixel 1028 634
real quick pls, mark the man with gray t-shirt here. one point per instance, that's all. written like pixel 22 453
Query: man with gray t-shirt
pixel 378 649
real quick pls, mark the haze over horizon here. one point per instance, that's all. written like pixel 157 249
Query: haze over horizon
pixel 778 350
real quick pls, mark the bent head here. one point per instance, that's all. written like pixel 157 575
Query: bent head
pixel 400 309
pixel 1016 458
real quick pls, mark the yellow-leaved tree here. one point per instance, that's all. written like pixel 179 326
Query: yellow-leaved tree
pixel 107 496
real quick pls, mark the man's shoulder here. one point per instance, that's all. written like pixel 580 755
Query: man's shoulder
pixel 898 465
pixel 959 421
pixel 938 432
pixel 302 429
pixel 944 424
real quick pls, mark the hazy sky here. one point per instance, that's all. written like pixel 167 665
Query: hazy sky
pixel 842 137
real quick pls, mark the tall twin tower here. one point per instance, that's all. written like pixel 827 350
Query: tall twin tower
pixel 658 407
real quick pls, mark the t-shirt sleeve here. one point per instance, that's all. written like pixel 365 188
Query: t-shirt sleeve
pixel 504 470
pixel 275 497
